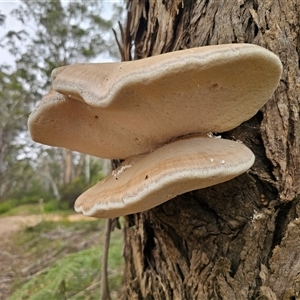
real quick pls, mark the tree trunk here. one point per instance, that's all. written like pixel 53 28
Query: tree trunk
pixel 240 239
pixel 51 181
pixel 68 166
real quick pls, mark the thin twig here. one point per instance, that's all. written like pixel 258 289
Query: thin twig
pixel 119 45
pixel 105 294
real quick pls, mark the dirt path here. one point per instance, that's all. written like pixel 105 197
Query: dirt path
pixel 11 259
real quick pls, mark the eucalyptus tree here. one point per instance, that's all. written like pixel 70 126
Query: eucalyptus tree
pixel 239 239
pixel 56 33
pixel 13 115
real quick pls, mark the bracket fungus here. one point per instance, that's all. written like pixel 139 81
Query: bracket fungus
pixel 154 114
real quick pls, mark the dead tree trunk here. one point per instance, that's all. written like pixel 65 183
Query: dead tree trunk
pixel 241 239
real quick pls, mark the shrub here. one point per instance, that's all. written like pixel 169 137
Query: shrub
pixel 7 205
pixel 71 191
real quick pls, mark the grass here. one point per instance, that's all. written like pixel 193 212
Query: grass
pixel 7 206
pixel 66 261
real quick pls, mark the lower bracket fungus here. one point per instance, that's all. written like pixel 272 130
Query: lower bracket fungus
pixel 153 113
pixel 146 181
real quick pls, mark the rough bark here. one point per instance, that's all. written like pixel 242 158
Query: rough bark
pixel 240 239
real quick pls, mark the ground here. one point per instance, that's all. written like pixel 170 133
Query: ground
pixel 12 259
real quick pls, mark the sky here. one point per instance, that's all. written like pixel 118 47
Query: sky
pixel 10 24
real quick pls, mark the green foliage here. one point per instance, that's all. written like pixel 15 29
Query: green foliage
pixel 31 192
pixel 96 173
pixel 60 38
pixel 34 193
pixel 2 19
pixel 71 191
pixel 25 209
pixel 34 190
pixel 54 206
pixel 13 118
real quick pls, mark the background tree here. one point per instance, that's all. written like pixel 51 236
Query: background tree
pixel 13 116
pixel 240 239
pixel 65 34
pixel 54 33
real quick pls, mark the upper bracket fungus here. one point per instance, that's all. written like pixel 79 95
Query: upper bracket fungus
pixel 141 111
